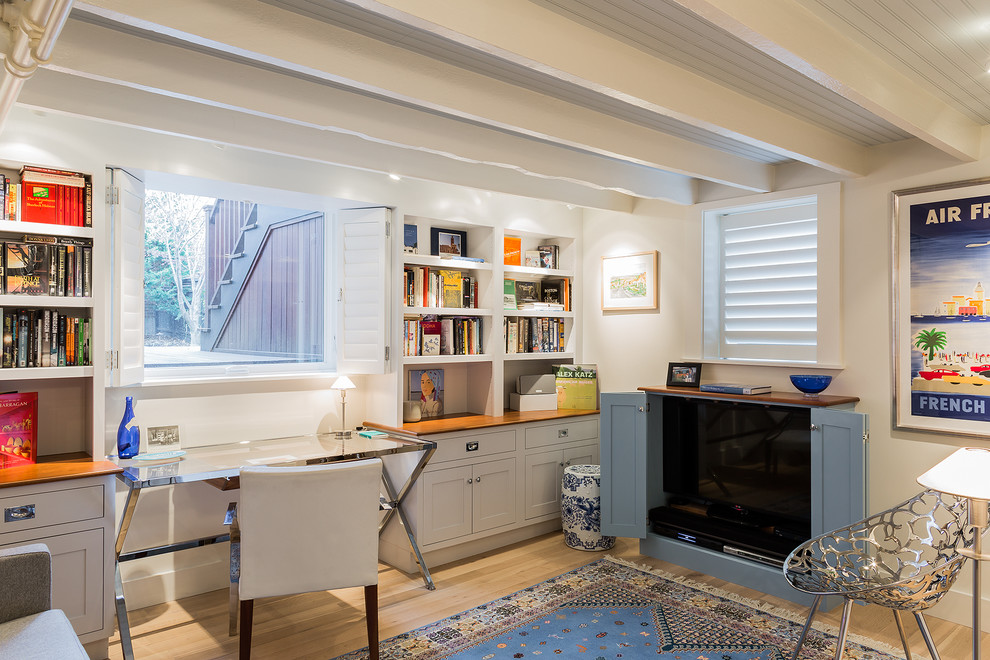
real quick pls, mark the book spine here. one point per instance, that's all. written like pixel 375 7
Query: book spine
pixel 87 271
pixel 53 348
pixel 22 338
pixel 61 340
pixel 61 270
pixel 46 338
pixel 52 272
pixel 8 339
pixel 88 203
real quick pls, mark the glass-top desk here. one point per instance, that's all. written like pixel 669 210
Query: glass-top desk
pixel 220 465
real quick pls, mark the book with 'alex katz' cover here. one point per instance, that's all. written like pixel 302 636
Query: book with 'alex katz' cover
pixel 18 428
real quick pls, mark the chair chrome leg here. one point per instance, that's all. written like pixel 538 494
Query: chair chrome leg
pixel 900 631
pixel 807 626
pixel 233 604
pixel 843 628
pixel 929 642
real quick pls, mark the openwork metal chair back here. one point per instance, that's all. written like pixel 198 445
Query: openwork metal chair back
pixel 903 558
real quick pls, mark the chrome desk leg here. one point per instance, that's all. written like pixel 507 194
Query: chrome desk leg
pixel 396 503
pixel 123 627
pixel 807 626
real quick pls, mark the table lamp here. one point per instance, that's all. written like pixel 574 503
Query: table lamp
pixel 965 474
pixel 343 383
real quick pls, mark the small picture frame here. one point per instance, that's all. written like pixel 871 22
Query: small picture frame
pixel 448 242
pixel 683 374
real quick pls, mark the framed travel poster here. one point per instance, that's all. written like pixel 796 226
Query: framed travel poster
pixel 941 239
pixel 630 282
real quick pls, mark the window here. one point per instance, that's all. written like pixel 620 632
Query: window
pixel 770 282
pixel 218 280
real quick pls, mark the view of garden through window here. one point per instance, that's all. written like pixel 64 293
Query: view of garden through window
pixel 231 283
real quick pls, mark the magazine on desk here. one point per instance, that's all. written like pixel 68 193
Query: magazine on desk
pixel 734 388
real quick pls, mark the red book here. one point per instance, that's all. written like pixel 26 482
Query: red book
pixel 18 429
pixel 39 203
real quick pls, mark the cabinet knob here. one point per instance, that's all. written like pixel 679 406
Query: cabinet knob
pixel 477 480
pixel 814 427
pixel 470 481
pixel 562 464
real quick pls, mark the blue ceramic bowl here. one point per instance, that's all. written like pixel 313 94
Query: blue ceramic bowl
pixel 811 385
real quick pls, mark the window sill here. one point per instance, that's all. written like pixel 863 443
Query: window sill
pixel 768 363
pixel 246 378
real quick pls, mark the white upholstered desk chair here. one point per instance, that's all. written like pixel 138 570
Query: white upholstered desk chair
pixel 304 529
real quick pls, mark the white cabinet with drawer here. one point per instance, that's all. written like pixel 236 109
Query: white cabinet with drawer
pixel 75 519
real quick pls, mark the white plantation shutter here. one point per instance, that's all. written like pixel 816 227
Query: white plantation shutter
pixel 362 290
pixel 768 282
pixel 126 205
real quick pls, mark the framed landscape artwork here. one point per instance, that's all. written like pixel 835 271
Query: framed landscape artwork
pixel 630 282
pixel 941 315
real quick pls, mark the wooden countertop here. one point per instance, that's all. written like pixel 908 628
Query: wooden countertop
pixel 454 423
pixel 56 468
pixel 790 398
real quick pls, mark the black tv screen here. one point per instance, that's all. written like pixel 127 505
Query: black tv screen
pixel 750 458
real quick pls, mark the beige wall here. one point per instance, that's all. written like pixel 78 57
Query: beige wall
pixel 634 349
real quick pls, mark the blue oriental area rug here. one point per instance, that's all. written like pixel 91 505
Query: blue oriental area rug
pixel 609 609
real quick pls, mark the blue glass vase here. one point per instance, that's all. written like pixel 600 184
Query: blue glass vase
pixel 128 433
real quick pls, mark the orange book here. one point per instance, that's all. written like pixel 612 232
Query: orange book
pixel 513 251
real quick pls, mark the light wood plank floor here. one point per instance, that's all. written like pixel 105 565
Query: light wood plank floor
pixel 324 625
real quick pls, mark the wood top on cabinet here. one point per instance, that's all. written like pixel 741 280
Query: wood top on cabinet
pixel 55 470
pixel 789 398
pixel 456 423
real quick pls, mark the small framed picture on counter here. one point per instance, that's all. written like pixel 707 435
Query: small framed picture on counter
pixel 684 374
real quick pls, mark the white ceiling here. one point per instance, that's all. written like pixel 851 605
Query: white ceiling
pixel 599 101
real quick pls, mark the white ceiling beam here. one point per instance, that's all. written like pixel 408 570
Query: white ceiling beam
pixel 129 106
pixel 793 35
pixel 523 32
pixel 287 40
pixel 99 53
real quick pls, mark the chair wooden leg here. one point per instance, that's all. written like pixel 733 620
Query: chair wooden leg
pixel 247 618
pixel 900 631
pixel 843 628
pixel 371 615
pixel 923 627
pixel 807 626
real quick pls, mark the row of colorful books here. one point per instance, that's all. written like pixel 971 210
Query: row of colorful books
pixel 544 256
pixel 443 335
pixel 440 287
pixel 546 294
pixel 534 335
pixel 47 266
pixel 51 196
pixel 45 338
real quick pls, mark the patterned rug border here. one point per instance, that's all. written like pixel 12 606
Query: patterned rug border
pixel 775 610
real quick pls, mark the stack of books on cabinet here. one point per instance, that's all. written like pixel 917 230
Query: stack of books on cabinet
pixel 46 266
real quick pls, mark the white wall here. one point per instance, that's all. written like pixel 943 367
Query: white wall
pixel 633 350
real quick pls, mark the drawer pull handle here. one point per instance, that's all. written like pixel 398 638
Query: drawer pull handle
pixel 562 433
pixel 16 513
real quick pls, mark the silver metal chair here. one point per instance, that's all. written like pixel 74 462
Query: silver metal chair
pixel 903 558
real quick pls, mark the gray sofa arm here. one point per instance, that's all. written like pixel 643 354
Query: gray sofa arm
pixel 26 576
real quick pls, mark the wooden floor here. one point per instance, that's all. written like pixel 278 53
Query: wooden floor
pixel 324 625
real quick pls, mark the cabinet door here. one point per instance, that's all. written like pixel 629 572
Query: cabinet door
pixel 77 577
pixel 543 473
pixel 624 464
pixel 494 494
pixel 447 504
pixel 838 468
pixel 587 455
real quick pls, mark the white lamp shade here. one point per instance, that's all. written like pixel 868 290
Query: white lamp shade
pixel 343 383
pixel 965 473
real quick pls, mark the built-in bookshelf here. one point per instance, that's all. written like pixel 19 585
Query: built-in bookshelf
pixel 478 380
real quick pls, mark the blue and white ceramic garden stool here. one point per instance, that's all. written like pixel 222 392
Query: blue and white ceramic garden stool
pixel 580 508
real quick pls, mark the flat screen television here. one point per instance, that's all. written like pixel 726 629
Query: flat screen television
pixel 750 461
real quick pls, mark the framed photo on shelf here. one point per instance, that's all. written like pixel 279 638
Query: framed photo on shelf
pixel 448 242
pixel 630 282
pixel 941 315
pixel 683 374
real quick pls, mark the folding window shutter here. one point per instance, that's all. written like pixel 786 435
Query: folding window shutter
pixel 362 291
pixel 126 205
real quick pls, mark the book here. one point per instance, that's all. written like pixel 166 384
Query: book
pixel 18 428
pixel 533 258
pixel 527 292
pixel 426 386
pixel 509 294
pixel 734 388
pixel 548 255
pixel 26 268
pixel 410 239
pixel 577 386
pixel 551 291
pixel 40 202
pixel 453 292
pixel 430 331
pixel 512 251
